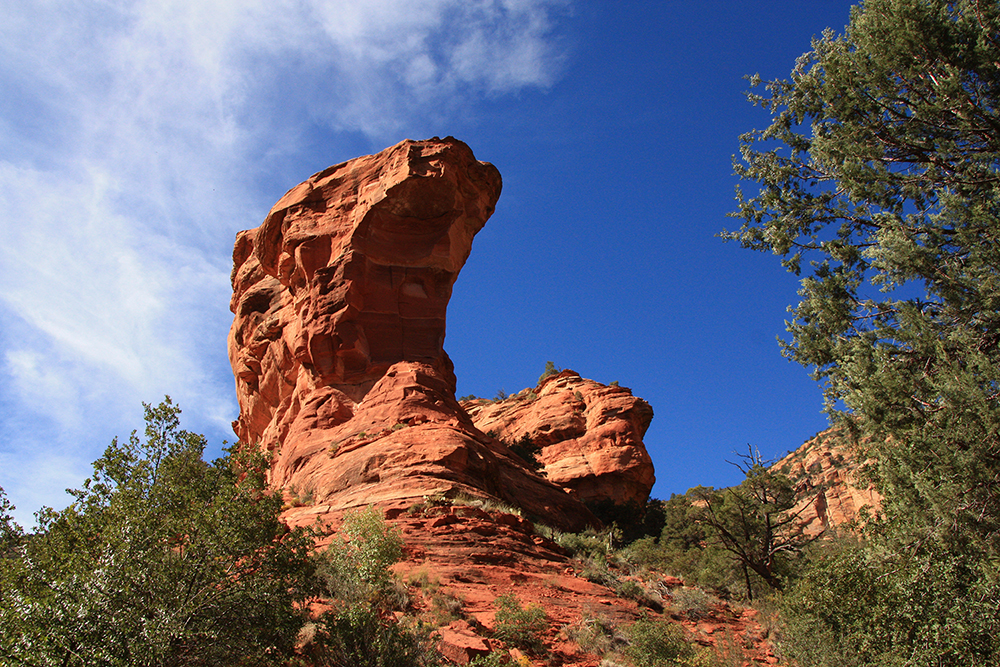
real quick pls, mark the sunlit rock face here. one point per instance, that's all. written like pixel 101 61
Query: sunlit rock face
pixel 353 270
pixel 831 492
pixel 590 435
pixel 339 300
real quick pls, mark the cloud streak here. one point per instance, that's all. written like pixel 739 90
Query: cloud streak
pixel 132 136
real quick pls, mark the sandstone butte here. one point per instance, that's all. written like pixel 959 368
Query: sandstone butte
pixel 339 303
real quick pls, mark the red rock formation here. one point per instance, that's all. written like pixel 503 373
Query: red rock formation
pixel 350 273
pixel 339 300
pixel 339 303
pixel 825 473
pixel 590 434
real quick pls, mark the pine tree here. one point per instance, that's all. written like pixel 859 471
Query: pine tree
pixel 878 180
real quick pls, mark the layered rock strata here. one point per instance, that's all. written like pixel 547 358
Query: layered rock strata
pixel 590 435
pixel 339 300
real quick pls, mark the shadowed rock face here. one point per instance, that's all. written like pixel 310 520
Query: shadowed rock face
pixel 339 300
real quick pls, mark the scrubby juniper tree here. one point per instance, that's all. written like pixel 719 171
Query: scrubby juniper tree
pixel 753 521
pixel 878 180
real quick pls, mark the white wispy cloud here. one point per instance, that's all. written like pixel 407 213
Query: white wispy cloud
pixel 132 134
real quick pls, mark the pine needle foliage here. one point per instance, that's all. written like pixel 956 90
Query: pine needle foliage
pixel 878 181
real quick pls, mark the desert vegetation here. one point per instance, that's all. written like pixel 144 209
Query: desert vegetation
pixel 165 559
pixel 877 181
pixel 161 559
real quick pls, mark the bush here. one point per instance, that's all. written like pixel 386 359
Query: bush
pixel 494 659
pixel 550 369
pixel 590 544
pixel 595 635
pixel 526 448
pixel 631 590
pixel 658 643
pixel 356 636
pixel 162 559
pixel 360 630
pixel 861 604
pixel 517 626
pixel 633 520
pixel 686 547
pixel 355 567
pixel 692 602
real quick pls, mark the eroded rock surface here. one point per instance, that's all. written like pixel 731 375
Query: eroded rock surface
pixel 350 273
pixel 590 435
pixel 825 473
pixel 340 299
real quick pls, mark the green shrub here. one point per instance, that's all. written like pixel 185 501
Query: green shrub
pixel 445 607
pixel 356 636
pixel 355 567
pixel 517 626
pixel 632 590
pixel 550 369
pixel 493 659
pixel 360 630
pixel 300 497
pixel 588 544
pixel 595 635
pixel 485 504
pixel 595 570
pixel 658 643
pixel 162 559
pixel 865 605
pixel 526 448
pixel 686 547
pixel 692 602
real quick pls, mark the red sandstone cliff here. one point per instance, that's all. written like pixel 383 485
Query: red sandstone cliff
pixel 825 473
pixel 339 300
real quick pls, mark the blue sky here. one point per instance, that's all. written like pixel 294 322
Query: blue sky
pixel 137 138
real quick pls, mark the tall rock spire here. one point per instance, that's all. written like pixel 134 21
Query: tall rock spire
pixel 339 300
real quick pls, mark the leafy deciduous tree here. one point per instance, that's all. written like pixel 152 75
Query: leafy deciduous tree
pixel 162 559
